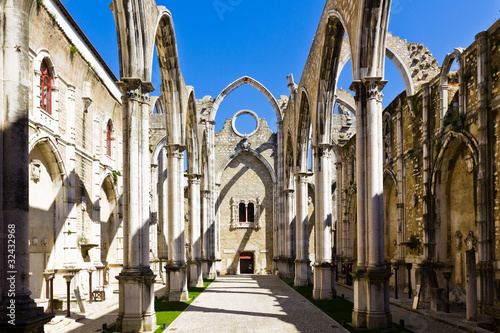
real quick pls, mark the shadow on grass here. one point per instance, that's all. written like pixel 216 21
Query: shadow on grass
pixel 338 309
pixel 167 312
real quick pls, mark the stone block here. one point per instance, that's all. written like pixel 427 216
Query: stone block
pixel 438 299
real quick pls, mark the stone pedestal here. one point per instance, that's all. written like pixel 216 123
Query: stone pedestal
pixel 323 282
pixel 195 274
pixel 378 314
pixel 136 301
pixel 176 283
pixel 360 300
pixel 471 285
pixel 301 273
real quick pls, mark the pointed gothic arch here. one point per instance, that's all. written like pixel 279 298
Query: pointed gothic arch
pixel 238 83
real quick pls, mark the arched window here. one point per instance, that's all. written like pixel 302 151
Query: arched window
pixel 45 88
pixel 251 214
pixel 109 132
pixel 243 212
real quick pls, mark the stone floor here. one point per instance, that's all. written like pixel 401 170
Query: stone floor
pixel 425 320
pixel 96 314
pixel 262 303
pixel 252 303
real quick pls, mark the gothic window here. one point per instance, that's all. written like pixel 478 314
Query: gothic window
pixel 242 212
pixel 387 139
pixel 250 213
pixel 245 213
pixel 45 88
pixel 109 132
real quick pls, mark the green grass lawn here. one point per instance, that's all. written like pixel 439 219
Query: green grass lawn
pixel 166 312
pixel 338 309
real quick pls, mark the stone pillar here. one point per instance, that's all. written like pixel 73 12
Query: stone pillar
pixel 302 237
pixel 136 280
pixel 16 306
pixel 195 272
pixel 163 208
pixel 287 271
pixel 205 249
pixel 485 217
pixel 371 285
pixel 176 268
pixel 428 274
pixel 324 285
pixel 471 285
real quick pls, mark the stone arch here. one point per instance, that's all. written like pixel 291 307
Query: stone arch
pixel 110 231
pixel 238 83
pixel 457 55
pixel 346 104
pixel 237 153
pixel 192 142
pixel 49 145
pixel 303 130
pixel 329 65
pixel 397 60
pixel 47 177
pixel 453 181
pixel 390 214
pixel 156 103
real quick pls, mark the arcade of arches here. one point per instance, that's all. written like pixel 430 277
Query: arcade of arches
pixel 100 178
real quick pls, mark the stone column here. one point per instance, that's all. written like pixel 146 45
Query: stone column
pixel 16 305
pixel 136 308
pixel 471 285
pixel 196 278
pixel 371 286
pixel 485 217
pixel 289 234
pixel 428 275
pixel 280 202
pixel 163 208
pixel 302 237
pixel 324 285
pixel 401 250
pixel 205 195
pixel 176 268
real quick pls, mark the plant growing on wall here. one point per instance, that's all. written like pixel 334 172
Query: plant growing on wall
pixel 39 3
pixel 73 49
pixel 455 119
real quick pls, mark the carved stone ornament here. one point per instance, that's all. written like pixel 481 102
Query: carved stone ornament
pixel 35 167
pixel 469 163
pixel 471 241
pixel 458 239
pixel 34 241
pixel 245 144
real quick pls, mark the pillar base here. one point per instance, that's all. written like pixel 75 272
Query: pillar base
pixel 136 307
pixel 301 273
pixel 371 299
pixel 22 317
pixel 195 274
pixel 428 280
pixel 360 301
pixel 324 282
pixel 176 283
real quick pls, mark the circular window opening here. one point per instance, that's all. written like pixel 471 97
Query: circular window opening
pixel 245 123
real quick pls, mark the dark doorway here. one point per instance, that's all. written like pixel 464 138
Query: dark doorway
pixel 246 263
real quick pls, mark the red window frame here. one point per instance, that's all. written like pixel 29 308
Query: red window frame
pixel 45 88
pixel 109 131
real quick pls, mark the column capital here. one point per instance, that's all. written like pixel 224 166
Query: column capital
pixel 304 176
pixel 205 193
pixel 289 191
pixel 194 178
pixel 368 88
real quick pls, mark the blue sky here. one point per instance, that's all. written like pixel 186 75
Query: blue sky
pixel 220 41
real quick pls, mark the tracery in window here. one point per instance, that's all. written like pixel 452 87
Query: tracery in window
pixel 45 88
pixel 109 132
